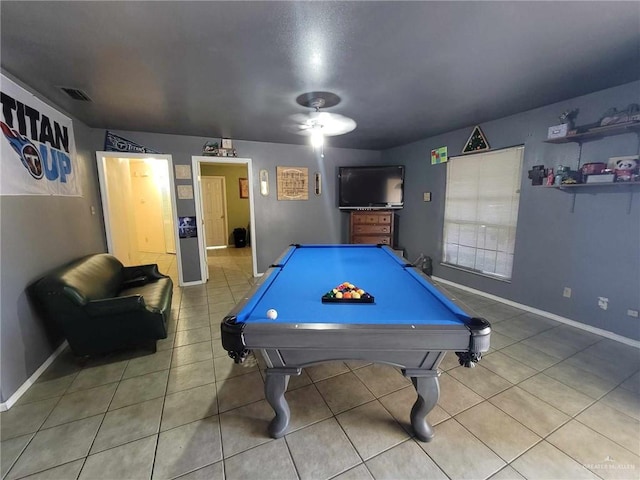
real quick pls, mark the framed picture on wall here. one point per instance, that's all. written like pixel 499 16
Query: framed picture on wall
pixel 244 187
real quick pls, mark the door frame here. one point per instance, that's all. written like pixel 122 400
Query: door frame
pixel 226 213
pixel 196 161
pixel 101 159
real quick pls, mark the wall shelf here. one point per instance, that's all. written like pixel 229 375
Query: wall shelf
pixel 597 133
pixel 572 186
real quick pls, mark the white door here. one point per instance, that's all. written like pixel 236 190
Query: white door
pixel 215 211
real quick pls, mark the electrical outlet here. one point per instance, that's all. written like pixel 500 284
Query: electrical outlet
pixel 632 313
pixel 93 210
pixel 566 292
pixel 603 302
pixel 426 196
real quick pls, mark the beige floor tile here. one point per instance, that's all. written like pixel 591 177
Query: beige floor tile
pixel 594 451
pixel 326 370
pixel 611 368
pixel 139 389
pixel 406 461
pixel 544 461
pixel 10 450
pixel 81 404
pixel 480 380
pixel 381 379
pixel 357 473
pixel 580 380
pixel 611 423
pixel 238 391
pixel 133 460
pixel 500 432
pixel 470 459
pixel 214 471
pixel 194 335
pixel 190 375
pixel 68 471
pixel 225 367
pixel 371 429
pixel 56 446
pixel 251 464
pixel 454 396
pixel 632 383
pixel 23 419
pixel 160 360
pixel 128 424
pixel 245 427
pixel 188 448
pixel 195 352
pixel 624 401
pixel 532 412
pixel 343 392
pixel 507 473
pixel 307 407
pixel 321 450
pixel 507 367
pixel 44 390
pixel 530 356
pixel 96 376
pixel 555 393
pixel 189 405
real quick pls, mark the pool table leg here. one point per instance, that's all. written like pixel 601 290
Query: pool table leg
pixel 274 388
pixel 428 389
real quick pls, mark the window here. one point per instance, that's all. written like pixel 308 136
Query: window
pixel 481 211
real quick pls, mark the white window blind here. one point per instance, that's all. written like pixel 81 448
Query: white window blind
pixel 481 211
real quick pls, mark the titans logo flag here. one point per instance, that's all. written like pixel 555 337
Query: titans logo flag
pixel 38 147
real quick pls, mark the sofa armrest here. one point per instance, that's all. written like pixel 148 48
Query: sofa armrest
pixel 115 306
pixel 140 275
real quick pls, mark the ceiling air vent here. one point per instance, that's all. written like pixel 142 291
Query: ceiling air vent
pixel 76 94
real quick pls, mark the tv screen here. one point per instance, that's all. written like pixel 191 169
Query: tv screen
pixel 371 187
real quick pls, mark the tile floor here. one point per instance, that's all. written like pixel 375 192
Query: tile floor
pixel 548 402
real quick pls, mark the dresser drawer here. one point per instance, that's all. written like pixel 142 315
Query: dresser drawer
pixel 378 218
pixel 375 239
pixel 368 229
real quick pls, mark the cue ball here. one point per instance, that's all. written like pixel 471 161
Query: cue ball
pixel 272 314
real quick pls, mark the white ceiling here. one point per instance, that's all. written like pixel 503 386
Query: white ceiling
pixel 404 70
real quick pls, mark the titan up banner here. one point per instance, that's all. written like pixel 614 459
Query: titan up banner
pixel 38 147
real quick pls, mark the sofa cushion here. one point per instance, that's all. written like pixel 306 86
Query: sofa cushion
pixel 93 277
pixel 155 294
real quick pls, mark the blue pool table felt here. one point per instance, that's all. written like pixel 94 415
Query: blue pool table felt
pixel 295 290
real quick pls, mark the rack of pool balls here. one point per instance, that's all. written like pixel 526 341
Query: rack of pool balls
pixel 347 293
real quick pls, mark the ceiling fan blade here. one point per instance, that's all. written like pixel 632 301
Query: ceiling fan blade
pixel 329 123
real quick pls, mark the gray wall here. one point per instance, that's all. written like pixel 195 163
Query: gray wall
pixel 594 249
pixel 278 223
pixel 38 234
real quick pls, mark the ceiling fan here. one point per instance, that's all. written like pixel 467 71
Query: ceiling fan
pixel 319 124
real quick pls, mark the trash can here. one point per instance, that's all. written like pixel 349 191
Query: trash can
pixel 240 237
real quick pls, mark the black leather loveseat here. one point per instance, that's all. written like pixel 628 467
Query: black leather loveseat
pixel 101 305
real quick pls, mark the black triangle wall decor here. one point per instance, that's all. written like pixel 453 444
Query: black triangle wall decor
pixel 477 142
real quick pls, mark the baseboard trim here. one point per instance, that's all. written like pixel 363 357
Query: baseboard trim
pixel 32 379
pixel 567 321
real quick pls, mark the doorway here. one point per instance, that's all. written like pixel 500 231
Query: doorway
pixel 214 211
pixel 138 207
pixel 227 167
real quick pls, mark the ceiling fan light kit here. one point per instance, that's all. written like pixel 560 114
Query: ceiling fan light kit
pixel 316 124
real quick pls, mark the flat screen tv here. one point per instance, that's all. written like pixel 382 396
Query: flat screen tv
pixel 367 188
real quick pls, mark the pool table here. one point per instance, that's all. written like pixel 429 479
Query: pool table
pixel 411 323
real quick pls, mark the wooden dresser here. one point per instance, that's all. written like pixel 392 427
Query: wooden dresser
pixel 372 226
